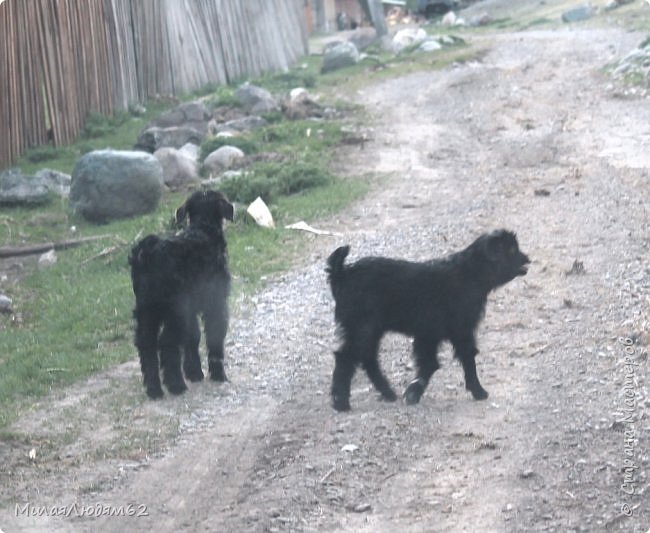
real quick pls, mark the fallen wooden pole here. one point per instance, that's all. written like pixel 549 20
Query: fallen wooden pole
pixel 16 251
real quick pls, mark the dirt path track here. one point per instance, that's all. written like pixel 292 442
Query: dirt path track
pixel 466 149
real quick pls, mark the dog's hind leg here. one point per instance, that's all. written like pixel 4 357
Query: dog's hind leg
pixel 170 342
pixel 465 350
pixel 425 352
pixel 146 341
pixel 192 360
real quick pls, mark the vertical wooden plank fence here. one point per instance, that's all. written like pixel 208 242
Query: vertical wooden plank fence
pixel 62 59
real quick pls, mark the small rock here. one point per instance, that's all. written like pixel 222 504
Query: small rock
pixel 578 14
pixel 5 304
pixel 350 448
pixel 223 158
pixel 362 508
pixel 577 269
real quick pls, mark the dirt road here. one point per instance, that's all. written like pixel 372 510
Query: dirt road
pixel 530 138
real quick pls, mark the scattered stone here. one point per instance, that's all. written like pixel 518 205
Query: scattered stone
pixel 480 20
pixel 223 158
pixel 111 184
pixel 191 151
pixel 18 189
pixel 350 448
pixel 362 508
pixel 152 139
pixel 301 106
pixel 408 37
pixel 255 100
pixel 451 19
pixel 613 4
pixel 239 125
pixel 5 304
pixel 55 181
pixel 344 54
pixel 179 169
pixel 542 192
pixel 635 64
pixel 430 45
pixel 190 114
pixel 185 123
pixel 578 14
pixel 362 38
pixel 577 269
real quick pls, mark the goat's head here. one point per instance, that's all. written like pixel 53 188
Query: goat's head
pixel 206 207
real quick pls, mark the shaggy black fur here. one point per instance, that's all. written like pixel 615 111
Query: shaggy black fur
pixel 431 301
pixel 174 280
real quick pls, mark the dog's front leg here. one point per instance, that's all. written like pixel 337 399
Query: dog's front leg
pixel 466 351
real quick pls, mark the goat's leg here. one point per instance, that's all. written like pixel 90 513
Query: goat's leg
pixel 147 325
pixel 170 342
pixel 425 351
pixel 216 326
pixel 192 360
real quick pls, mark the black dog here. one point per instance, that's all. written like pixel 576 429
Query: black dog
pixel 174 280
pixel 431 301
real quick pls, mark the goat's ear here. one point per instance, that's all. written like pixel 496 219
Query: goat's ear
pixel 494 246
pixel 227 210
pixel 181 213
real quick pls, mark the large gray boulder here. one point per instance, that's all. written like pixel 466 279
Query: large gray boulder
pixel 108 185
pixel 340 55
pixel 18 189
pixel 256 100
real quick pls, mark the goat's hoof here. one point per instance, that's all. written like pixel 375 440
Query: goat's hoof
pixel 194 375
pixel 176 388
pixel 389 396
pixel 341 404
pixel 414 392
pixel 218 374
pixel 155 393
pixel 479 393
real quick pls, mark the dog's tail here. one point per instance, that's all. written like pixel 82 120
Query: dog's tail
pixel 335 266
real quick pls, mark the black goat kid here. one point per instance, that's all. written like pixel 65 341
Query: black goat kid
pixel 176 279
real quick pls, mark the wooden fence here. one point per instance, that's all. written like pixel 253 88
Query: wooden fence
pixel 62 59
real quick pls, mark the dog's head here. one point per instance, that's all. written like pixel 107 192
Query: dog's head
pixel 205 208
pixel 501 257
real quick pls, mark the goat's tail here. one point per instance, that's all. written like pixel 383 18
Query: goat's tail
pixel 335 266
